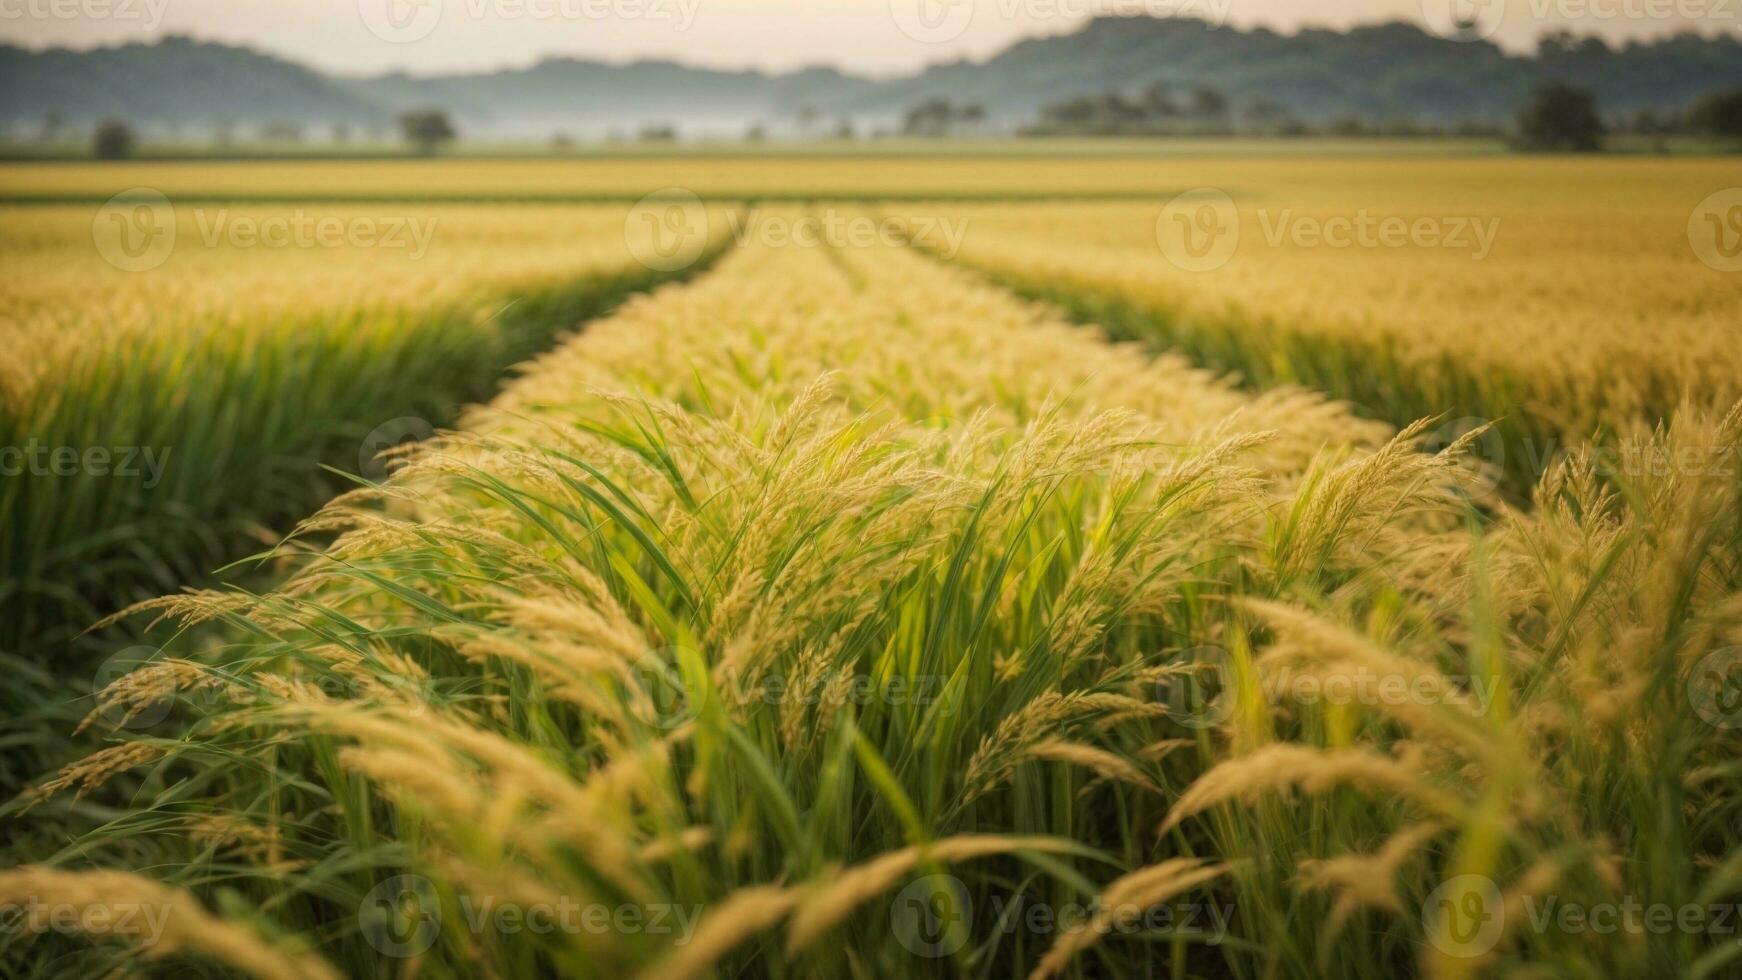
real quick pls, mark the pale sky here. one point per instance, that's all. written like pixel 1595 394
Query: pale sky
pixel 872 36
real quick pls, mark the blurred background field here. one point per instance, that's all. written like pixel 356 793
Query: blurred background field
pixel 856 504
pixel 1585 309
pixel 247 368
pixel 1030 170
pixel 1555 296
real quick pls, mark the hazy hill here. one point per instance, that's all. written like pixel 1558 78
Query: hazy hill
pixel 174 81
pixel 1378 72
pixel 592 96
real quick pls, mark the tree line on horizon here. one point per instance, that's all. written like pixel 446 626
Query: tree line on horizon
pixel 1559 115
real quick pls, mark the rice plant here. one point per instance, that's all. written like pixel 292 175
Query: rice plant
pixel 839 614
pixel 214 389
pixel 1557 795
pixel 1553 299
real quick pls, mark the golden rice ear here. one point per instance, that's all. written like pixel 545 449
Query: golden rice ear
pixel 742 915
pixel 1365 880
pixel 1099 761
pixel 637 630
pixel 1122 902
pixel 1283 766
pixel 94 770
pixel 162 922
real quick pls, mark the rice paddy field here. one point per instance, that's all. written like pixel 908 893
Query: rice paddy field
pixel 221 374
pixel 874 566
pixel 883 170
pixel 1550 298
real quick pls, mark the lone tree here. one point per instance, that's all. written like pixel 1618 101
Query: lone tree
pixel 1561 117
pixel 427 129
pixel 1720 114
pixel 113 141
pixel 941 117
pixel 281 131
pixel 1209 103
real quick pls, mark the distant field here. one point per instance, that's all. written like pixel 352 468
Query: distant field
pixel 1183 146
pixel 1558 295
pixel 844 602
pixel 911 170
pixel 991 170
pixel 704 149
pixel 243 348
pixel 1576 303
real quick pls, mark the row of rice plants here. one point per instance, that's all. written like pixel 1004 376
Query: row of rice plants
pixel 1552 299
pixel 158 422
pixel 838 614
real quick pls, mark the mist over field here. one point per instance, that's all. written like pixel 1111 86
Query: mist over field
pixel 182 87
pixel 926 489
